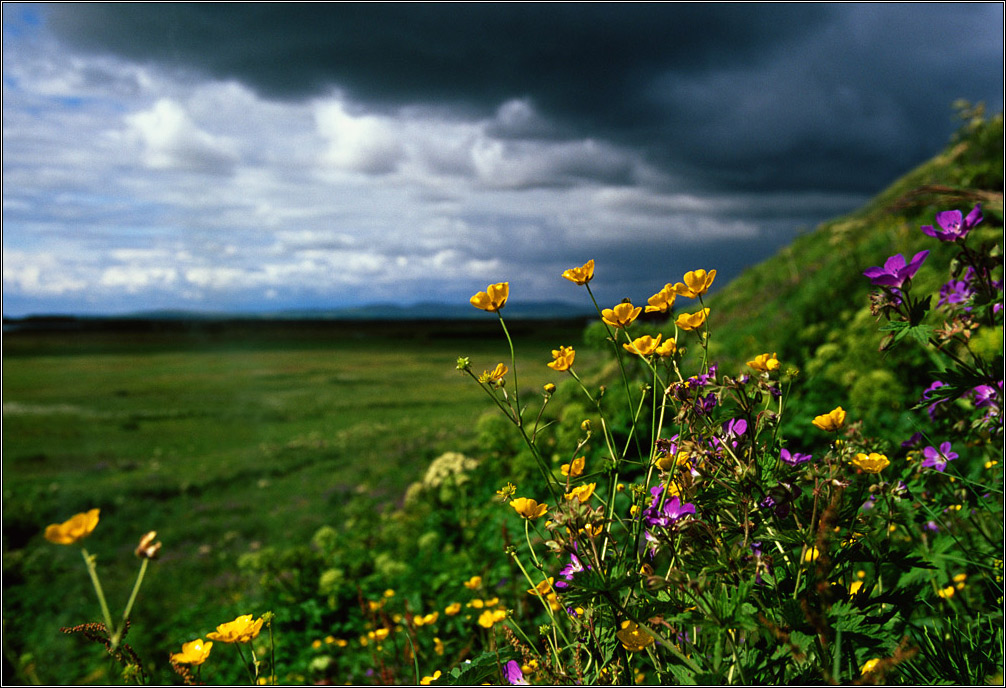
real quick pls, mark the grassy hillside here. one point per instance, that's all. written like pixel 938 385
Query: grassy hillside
pixel 810 303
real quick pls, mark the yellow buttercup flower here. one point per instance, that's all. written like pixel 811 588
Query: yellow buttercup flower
pixel 582 494
pixel 765 362
pixel 495 375
pixel 452 609
pixel 438 646
pixel 621 315
pixel 643 346
pixel 563 356
pixel 74 530
pixel 543 588
pixel 574 469
pixel 697 283
pixel 668 348
pixel 831 421
pixel 240 630
pixel 493 298
pixel 662 301
pixel 811 555
pixel 632 637
pixel 473 583
pixel 582 274
pixel 869 665
pixel 529 508
pixel 427 680
pixel 194 653
pixel 692 321
pixel 490 617
pixel 872 463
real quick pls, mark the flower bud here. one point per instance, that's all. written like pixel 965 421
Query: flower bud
pixel 148 549
pixel 549 389
pixel 585 425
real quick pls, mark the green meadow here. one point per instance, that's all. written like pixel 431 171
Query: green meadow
pixel 223 439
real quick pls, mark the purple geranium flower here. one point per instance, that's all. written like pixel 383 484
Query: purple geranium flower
pixel 913 441
pixel 795 458
pixel 954 292
pixel 938 458
pixel 513 674
pixel 671 511
pixel 895 272
pixel 985 395
pixel 954 225
pixel 573 567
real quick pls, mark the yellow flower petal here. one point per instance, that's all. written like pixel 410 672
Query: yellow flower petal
pixel 493 298
pixel 73 530
pixel 582 274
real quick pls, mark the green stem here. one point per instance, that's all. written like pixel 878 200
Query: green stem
pixel 513 367
pixel 93 571
pixel 132 596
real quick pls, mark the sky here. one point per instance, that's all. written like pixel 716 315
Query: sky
pixel 259 157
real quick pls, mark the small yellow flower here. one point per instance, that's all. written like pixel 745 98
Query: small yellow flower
pixel 529 508
pixel 632 637
pixel 438 646
pixel 662 301
pixel 872 463
pixel 855 587
pixel 960 579
pixel 549 388
pixel 692 321
pixel 426 619
pixel 194 653
pixel 831 421
pixel 452 609
pixel 563 358
pixel 582 494
pixel 621 315
pixel 643 346
pixel 495 375
pixel 869 665
pixel 493 298
pixel 543 588
pixel 697 283
pixel 473 583
pixel 490 617
pixel 506 492
pixel 389 593
pixel 381 634
pixel 591 531
pixel 74 530
pixel 574 469
pixel 476 604
pixel 810 555
pixel 240 630
pixel 946 593
pixel 582 274
pixel 668 348
pixel 427 680
pixel 765 362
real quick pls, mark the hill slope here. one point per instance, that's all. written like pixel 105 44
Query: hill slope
pixel 810 304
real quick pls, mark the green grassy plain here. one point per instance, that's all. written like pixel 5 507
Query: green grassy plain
pixel 224 439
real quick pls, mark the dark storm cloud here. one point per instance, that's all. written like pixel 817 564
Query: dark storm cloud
pixel 797 96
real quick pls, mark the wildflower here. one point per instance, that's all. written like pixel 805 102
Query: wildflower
pixel 955 292
pixel 960 579
pixel 495 375
pixel 574 469
pixel 632 637
pixel 671 511
pixel 240 630
pixel 765 362
pixel 572 568
pixel 489 617
pixel 506 492
pixel 697 283
pixel 811 555
pixel 148 549
pixel 795 458
pixel 73 530
pixel 316 644
pixel 427 680
pixel 780 498
pixel 831 421
pixel 643 346
pixel 452 609
pixel 473 583
pixel 493 298
pixel 582 274
pixel 662 301
pixel 938 458
pixel 438 646
pixel 529 508
pixel 425 620
pixel 895 272
pixel 621 315
pixel 389 593
pixel 563 358
pixel 692 321
pixel 582 494
pixel 549 389
pixel 513 674
pixel 874 463
pixel 855 587
pixel 869 666
pixel 946 593
pixel 194 653
pixel 543 588
pixel 953 223
pixel 668 348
